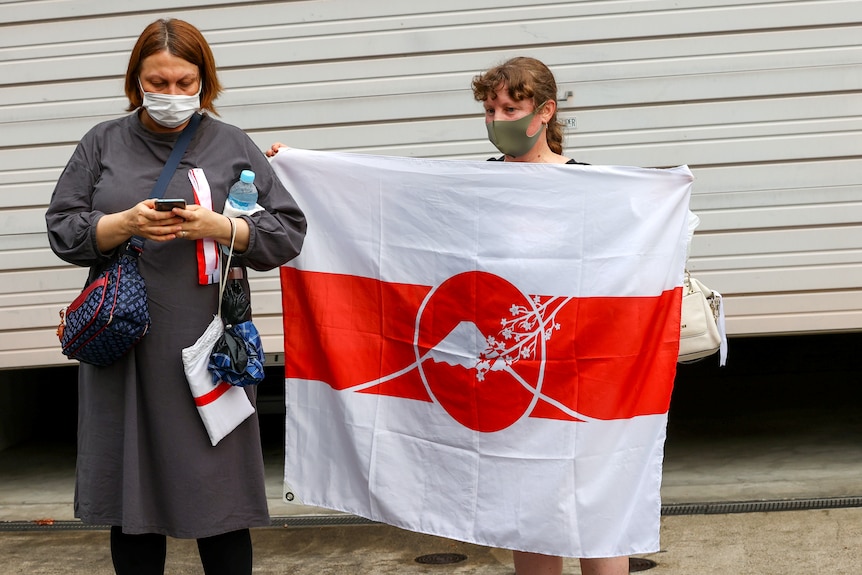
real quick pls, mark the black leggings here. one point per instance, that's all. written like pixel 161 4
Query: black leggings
pixel 226 554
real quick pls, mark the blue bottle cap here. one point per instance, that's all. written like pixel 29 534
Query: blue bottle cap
pixel 247 176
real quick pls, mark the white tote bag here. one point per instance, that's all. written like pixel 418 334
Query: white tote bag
pixel 222 406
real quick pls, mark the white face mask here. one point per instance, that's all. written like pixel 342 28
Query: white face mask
pixel 170 110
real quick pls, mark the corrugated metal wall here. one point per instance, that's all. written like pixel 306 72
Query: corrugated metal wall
pixel 762 99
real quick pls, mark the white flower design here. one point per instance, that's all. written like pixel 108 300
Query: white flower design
pixel 519 335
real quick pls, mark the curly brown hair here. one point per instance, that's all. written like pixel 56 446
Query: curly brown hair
pixel 524 78
pixel 180 39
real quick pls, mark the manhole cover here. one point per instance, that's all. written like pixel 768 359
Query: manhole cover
pixel 440 558
pixel 638 564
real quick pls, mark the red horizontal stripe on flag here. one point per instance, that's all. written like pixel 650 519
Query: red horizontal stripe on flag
pixel 346 330
pixel 597 357
pixel 620 359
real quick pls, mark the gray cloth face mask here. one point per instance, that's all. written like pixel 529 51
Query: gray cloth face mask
pixel 510 136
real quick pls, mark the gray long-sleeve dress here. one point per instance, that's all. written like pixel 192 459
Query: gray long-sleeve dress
pixel 144 458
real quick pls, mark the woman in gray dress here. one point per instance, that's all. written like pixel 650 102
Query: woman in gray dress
pixel 145 463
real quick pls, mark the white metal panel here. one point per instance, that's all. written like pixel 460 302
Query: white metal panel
pixel 761 99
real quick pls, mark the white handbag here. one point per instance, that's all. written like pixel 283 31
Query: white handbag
pixel 702 331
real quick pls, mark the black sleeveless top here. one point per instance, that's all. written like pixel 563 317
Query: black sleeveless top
pixel 502 158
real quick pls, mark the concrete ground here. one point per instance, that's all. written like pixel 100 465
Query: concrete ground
pixel 762 475
pixel 778 543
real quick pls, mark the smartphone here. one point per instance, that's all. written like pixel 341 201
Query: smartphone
pixel 167 204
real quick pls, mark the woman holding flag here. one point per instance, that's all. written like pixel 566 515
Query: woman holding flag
pixel 519 98
pixel 520 101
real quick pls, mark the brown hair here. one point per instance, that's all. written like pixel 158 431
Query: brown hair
pixel 525 78
pixel 180 39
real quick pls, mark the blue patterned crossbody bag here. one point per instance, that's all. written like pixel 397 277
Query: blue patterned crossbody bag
pixel 111 314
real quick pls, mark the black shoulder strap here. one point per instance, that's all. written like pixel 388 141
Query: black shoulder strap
pixel 137 242
pixel 176 155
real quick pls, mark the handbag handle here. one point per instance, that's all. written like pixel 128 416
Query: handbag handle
pixel 223 277
pixel 136 243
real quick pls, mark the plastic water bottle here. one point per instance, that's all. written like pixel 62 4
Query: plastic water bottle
pixel 243 194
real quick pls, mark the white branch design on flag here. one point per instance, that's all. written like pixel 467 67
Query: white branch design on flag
pixel 534 325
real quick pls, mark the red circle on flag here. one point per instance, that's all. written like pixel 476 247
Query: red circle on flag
pixel 483 379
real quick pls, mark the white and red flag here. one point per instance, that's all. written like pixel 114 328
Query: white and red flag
pixel 484 351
